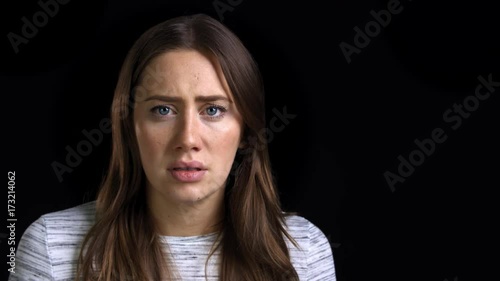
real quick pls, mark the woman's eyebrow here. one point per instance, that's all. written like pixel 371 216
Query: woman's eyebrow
pixel 209 98
pixel 212 98
pixel 163 98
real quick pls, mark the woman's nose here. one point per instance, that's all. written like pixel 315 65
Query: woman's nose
pixel 188 134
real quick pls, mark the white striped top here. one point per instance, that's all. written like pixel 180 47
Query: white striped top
pixel 49 249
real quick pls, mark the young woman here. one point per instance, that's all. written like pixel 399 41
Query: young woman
pixel 189 193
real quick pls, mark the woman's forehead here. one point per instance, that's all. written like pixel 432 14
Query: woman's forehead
pixel 185 66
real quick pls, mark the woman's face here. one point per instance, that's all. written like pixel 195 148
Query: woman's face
pixel 187 127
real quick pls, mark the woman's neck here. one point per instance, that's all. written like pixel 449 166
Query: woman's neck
pixel 186 219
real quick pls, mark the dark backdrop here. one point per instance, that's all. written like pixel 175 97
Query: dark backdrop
pixel 357 117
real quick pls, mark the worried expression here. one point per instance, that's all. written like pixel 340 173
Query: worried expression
pixel 187 127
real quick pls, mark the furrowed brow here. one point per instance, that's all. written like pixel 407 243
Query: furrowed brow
pixel 209 98
pixel 164 98
pixel 212 98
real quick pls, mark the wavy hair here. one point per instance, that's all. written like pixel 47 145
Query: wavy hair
pixel 123 243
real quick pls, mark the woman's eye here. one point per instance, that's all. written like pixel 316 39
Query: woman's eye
pixel 162 110
pixel 212 110
pixel 215 111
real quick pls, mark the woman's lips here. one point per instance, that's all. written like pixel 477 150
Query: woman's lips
pixel 187 174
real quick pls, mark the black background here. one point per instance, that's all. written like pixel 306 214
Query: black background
pixel 352 121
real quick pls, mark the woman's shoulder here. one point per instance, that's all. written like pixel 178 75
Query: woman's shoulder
pixel 307 234
pixel 312 256
pixel 51 244
pixel 68 221
pixel 297 224
pixel 63 226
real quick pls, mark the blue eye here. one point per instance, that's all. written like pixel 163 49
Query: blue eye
pixel 215 111
pixel 161 109
pixel 212 110
pixel 164 110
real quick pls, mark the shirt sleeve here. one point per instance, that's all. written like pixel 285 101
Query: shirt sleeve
pixel 32 256
pixel 320 257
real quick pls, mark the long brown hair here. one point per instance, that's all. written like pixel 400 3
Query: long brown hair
pixel 123 244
